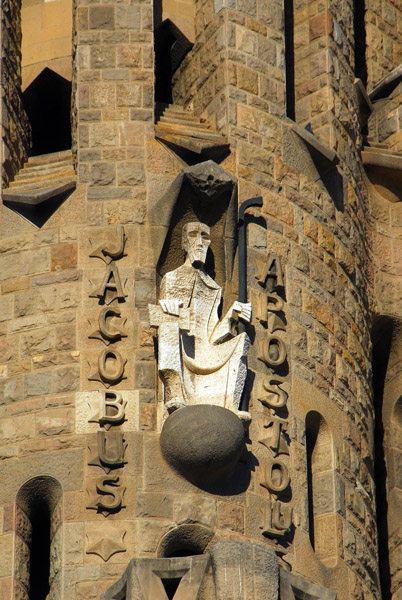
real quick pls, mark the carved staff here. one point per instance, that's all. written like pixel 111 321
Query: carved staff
pixel 243 246
pixel 257 201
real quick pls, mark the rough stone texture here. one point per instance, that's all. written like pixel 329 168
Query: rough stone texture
pixel 238 571
pixel 241 569
pixel 203 442
pixel 15 127
pixel 339 243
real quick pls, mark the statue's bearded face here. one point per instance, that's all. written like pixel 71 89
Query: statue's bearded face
pixel 196 242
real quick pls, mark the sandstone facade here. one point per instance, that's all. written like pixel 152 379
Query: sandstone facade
pixel 295 108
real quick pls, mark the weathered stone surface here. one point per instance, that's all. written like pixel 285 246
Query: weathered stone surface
pixel 203 442
pixel 6 545
pixel 89 408
pixel 339 243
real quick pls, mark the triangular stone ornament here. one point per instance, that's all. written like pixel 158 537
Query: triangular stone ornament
pixel 105 546
pixel 161 579
pixel 151 576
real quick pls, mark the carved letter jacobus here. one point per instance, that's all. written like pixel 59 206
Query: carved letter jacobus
pixel 109 371
pixel 201 359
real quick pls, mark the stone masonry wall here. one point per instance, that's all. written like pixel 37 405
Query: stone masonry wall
pixel 15 128
pixel 324 73
pixel 383 31
pixel 338 248
pixel 322 244
pixel 247 50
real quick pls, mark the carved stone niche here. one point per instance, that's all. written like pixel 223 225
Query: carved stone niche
pixel 201 355
pixel 206 193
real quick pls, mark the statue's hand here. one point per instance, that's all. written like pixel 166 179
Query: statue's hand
pixel 171 306
pixel 242 311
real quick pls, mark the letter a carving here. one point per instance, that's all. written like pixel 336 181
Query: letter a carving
pixel 269 273
pixel 111 287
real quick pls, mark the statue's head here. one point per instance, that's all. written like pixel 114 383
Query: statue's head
pixel 196 241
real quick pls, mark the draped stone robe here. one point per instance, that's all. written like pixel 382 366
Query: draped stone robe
pixel 209 358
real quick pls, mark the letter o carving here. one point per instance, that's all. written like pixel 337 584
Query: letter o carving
pixel 105 373
pixel 269 482
pixel 270 360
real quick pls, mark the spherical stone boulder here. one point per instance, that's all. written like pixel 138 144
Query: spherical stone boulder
pixel 203 442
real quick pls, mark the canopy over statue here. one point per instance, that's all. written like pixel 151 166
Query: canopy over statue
pixel 201 360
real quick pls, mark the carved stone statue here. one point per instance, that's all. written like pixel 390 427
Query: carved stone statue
pixel 201 360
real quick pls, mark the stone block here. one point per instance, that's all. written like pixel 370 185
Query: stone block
pixel 9 349
pixel 63 256
pixel 147 416
pixel 130 173
pixel 63 276
pixel 15 285
pixel 102 173
pixel 37 342
pixel 38 384
pixel 145 375
pixel 128 17
pixel 11 390
pixel 129 94
pixel 6 589
pixel 324 493
pixel 9 266
pixel 195 509
pixel 230 517
pixel 243 570
pixel 22 555
pixel 6 308
pixel 6 553
pixel 129 56
pixel 58 421
pixel 16 429
pixel 101 17
pixel 102 57
pixel 35 261
pixel 150 534
pixel 66 379
pixel 73 543
pixel 65 337
pixel 25 304
pixel 155 505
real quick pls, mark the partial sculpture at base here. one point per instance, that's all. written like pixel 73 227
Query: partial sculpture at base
pixel 201 360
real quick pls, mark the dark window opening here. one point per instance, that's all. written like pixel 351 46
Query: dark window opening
pixel 39 571
pixel 381 339
pixel 289 59
pixel 38 499
pixel 359 26
pixel 47 102
pixel 171 586
pixel 171 46
pixel 189 551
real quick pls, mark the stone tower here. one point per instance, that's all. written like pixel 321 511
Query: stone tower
pixel 165 164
